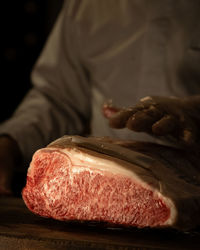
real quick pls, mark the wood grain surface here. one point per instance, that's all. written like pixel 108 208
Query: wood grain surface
pixel 20 230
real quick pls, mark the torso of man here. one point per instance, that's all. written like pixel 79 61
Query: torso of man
pixel 133 49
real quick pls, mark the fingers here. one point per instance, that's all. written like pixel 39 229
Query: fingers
pixel 140 122
pixel 143 120
pixel 109 110
pixel 189 132
pixel 120 119
pixel 184 131
pixel 160 116
pixel 165 126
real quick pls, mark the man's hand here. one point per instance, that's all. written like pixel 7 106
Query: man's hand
pixel 161 116
pixel 10 157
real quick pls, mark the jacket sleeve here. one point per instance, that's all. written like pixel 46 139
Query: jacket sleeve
pixel 59 101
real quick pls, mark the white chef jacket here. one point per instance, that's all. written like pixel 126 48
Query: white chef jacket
pixel 107 49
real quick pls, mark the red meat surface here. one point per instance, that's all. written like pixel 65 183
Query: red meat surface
pixel 70 181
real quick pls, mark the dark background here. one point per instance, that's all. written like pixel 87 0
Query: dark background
pixel 25 26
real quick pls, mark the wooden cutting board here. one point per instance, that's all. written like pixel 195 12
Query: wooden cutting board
pixel 20 230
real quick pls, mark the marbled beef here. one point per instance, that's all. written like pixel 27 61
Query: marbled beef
pixel 117 182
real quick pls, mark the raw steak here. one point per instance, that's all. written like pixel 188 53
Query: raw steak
pixel 117 182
